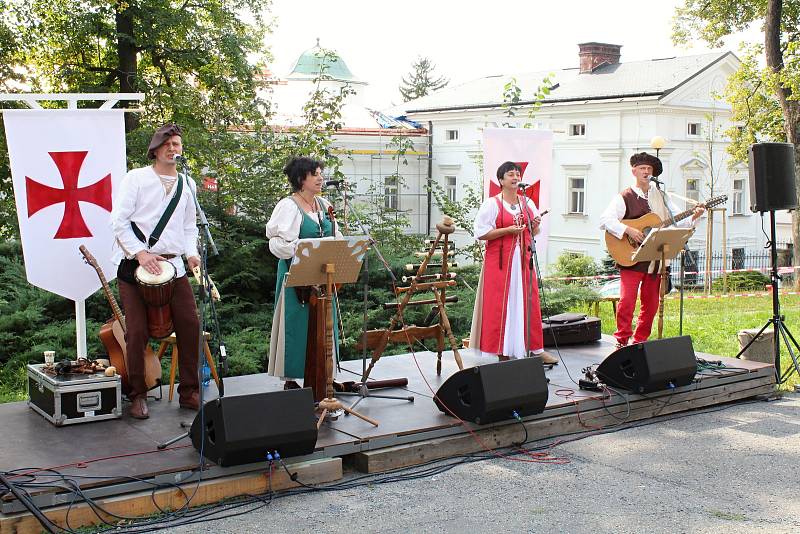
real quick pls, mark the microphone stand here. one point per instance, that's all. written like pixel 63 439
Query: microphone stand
pixel 685 249
pixel 533 266
pixel 363 389
pixel 207 301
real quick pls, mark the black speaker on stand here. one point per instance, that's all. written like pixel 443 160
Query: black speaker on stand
pixel 772 187
pixel 494 391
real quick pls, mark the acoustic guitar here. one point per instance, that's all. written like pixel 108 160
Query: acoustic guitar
pixel 623 249
pixel 112 335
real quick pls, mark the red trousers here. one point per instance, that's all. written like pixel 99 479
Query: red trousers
pixel 187 333
pixel 646 286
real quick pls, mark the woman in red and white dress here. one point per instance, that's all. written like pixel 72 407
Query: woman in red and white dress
pixel 500 315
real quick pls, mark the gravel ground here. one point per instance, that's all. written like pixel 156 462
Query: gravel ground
pixel 733 470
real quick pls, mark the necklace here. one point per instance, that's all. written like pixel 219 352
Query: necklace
pixel 309 204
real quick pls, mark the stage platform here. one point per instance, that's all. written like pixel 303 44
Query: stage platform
pixel 118 463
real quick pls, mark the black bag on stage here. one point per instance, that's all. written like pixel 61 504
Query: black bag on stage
pixel 570 329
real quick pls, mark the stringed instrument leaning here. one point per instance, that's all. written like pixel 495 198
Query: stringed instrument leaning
pixel 112 335
pixel 622 249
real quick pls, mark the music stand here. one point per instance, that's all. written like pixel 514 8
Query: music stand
pixel 325 262
pixel 662 244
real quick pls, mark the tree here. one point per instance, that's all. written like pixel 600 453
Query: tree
pixel 421 80
pixel 190 59
pixel 761 97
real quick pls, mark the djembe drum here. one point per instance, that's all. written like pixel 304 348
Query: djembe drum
pixel 156 291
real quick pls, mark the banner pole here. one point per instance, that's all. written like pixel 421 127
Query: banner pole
pixel 80 327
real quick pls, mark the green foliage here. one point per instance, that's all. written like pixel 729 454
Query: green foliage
pixel 463 214
pixel 559 298
pixel 421 80
pixel 512 98
pixel 571 264
pixel 764 92
pixel 741 281
pixel 191 60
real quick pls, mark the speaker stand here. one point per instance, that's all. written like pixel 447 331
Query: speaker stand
pixel 780 330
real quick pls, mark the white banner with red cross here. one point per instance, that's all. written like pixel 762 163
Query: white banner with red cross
pixel 66 166
pixel 532 150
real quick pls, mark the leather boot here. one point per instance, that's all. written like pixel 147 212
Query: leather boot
pixel 139 407
pixel 547 358
pixel 191 402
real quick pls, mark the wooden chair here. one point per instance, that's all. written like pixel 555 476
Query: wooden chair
pixel 596 304
pixel 171 341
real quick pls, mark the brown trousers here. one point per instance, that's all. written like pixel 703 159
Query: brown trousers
pixel 187 332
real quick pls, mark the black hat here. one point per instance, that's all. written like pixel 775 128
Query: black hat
pixel 161 136
pixel 643 158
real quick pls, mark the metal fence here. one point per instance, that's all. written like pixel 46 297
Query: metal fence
pixel 735 259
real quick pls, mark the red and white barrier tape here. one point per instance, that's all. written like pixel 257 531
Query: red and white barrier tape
pixel 781 270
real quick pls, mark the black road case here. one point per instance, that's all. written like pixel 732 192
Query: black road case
pixel 74 398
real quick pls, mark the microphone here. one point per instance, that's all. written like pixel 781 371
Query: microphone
pixel 656 180
pixel 333 183
pixel 522 186
pixel 177 158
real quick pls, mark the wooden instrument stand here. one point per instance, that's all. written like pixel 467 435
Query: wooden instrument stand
pixel 419 282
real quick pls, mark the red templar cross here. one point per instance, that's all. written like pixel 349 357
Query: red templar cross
pixel 531 192
pixel 41 196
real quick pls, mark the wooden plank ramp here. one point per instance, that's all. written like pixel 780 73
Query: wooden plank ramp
pixel 588 414
pixel 146 503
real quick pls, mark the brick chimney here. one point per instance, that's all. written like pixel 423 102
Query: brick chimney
pixel 592 55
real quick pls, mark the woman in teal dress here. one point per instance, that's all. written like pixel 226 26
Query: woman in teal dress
pixel 301 215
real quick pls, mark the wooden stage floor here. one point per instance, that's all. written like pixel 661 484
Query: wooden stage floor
pixel 108 457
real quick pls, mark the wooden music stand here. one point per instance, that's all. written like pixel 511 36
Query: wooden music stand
pixel 327 262
pixel 662 244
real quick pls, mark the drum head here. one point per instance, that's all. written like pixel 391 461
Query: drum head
pixel 148 279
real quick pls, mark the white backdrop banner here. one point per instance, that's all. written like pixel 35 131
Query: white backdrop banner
pixel 532 150
pixel 66 166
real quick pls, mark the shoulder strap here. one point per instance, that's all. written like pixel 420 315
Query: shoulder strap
pixel 165 217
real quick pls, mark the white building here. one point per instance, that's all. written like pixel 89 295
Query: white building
pixel 387 160
pixel 601 113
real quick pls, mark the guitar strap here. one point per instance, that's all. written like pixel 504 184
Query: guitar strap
pixel 165 217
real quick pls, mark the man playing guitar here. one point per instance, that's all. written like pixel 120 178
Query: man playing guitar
pixel 640 278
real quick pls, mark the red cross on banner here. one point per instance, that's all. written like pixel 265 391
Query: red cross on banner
pixel 531 192
pixel 40 196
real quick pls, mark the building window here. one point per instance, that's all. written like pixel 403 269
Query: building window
pixel 451 135
pixel 737 258
pixel 577 193
pixel 692 191
pixel 577 130
pixel 693 129
pixel 450 182
pixel 390 197
pixel 738 197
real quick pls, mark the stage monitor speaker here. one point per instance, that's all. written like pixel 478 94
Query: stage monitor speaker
pixel 241 429
pixel 650 366
pixel 772 178
pixel 492 392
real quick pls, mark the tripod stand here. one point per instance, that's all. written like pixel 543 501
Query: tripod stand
pixel 780 330
pixel 206 291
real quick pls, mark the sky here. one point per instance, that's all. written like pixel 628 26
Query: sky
pixel 379 40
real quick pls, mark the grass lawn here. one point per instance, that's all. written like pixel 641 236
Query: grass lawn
pixel 714 323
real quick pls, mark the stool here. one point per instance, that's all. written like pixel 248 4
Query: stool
pixel 596 304
pixel 171 341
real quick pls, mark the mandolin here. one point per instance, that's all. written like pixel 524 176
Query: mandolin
pixel 112 335
pixel 623 249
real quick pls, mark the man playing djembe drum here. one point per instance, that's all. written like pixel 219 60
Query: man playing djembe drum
pixel 154 223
